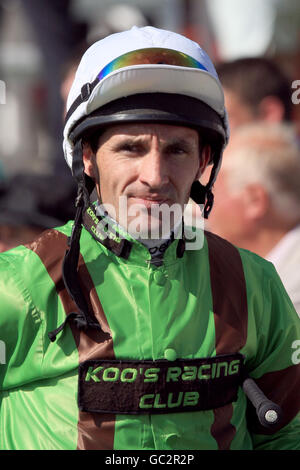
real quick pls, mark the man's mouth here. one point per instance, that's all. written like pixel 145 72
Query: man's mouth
pixel 149 201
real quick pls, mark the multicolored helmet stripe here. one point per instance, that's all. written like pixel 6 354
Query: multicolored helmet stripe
pixel 151 56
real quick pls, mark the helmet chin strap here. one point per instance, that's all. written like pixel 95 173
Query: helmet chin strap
pixel 82 318
pixel 203 194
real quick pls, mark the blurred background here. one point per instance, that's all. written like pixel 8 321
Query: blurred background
pixel 41 43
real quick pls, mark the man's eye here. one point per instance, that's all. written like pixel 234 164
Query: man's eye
pixel 130 148
pixel 177 150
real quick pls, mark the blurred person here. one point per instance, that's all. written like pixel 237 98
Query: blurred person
pixel 120 339
pixel 255 89
pixel 257 198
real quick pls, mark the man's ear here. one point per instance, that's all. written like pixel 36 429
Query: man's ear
pixel 204 159
pixel 89 161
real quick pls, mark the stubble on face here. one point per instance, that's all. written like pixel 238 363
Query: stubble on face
pixel 150 165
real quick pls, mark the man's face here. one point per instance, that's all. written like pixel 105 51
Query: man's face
pixel 231 216
pixel 150 165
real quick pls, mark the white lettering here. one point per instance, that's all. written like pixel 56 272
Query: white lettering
pixel 296 354
pixel 2 92
pixel 296 94
pixel 2 352
pixel 154 222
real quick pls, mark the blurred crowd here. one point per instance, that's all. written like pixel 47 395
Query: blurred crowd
pixel 257 193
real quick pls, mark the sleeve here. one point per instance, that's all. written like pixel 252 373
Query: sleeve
pixel 21 341
pixel 277 365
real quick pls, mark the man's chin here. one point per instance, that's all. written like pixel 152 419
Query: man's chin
pixel 153 221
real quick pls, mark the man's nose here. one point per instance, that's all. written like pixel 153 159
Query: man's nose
pixel 154 169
